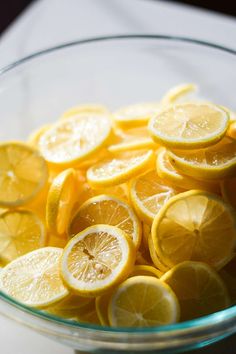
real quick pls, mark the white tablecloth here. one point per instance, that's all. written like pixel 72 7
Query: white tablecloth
pixel 49 22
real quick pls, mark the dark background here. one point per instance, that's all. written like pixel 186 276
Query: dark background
pixel 10 9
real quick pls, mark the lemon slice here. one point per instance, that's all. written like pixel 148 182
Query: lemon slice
pixel 60 201
pixel 132 139
pixel 215 162
pixel 105 209
pixel 228 275
pixel 189 125
pixel 135 115
pixel 23 173
pixel 97 259
pixel 119 169
pixel 143 301
pixel 73 140
pixel 199 289
pixel 21 232
pixel 35 136
pixel 170 174
pixel 228 188
pixel 177 92
pixel 197 226
pixel 34 278
pixel 102 303
pixel 159 264
pixel 90 108
pixel 145 270
pixel 148 194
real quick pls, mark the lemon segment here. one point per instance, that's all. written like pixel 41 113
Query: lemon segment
pixel 135 115
pixel 215 162
pixel 109 210
pixel 170 174
pixel 71 141
pixel 119 169
pixel 199 289
pixel 177 92
pixel 148 194
pixel 189 125
pixel 97 259
pixel 34 278
pixel 197 226
pixel 60 201
pixel 23 173
pixel 21 232
pixel 143 301
pixel 90 108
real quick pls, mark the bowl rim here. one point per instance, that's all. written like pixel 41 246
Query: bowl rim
pixel 201 323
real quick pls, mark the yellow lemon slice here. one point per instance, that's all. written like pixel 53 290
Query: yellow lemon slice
pixel 132 139
pixel 135 115
pixel 228 275
pixel 60 201
pixel 177 92
pixel 159 264
pixel 228 189
pixel 148 194
pixel 215 162
pixel 34 279
pixel 197 226
pixel 189 125
pixel 35 136
pixel 170 174
pixel 21 232
pixel 119 169
pixel 71 141
pixel 105 209
pixel 199 289
pixel 97 259
pixel 145 270
pixel 89 108
pixel 143 301
pixel 23 173
pixel 102 303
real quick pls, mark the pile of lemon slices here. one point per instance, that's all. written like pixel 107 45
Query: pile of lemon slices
pixel 123 219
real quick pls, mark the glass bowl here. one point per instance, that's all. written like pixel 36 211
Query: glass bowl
pixel 114 71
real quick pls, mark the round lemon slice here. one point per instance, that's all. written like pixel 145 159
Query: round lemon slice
pixel 60 201
pixel 34 279
pixel 23 173
pixel 119 169
pixel 109 210
pixel 189 125
pixel 135 115
pixel 143 301
pixel 215 162
pixel 199 289
pixel 132 139
pixel 97 259
pixel 21 232
pixel 148 194
pixel 35 136
pixel 102 303
pixel 71 141
pixel 149 270
pixel 195 225
pixel 170 174
pixel 178 92
pixel 89 108
pixel 228 188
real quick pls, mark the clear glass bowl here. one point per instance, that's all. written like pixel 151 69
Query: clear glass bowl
pixel 114 71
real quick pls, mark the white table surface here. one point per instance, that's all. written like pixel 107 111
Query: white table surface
pixel 50 22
